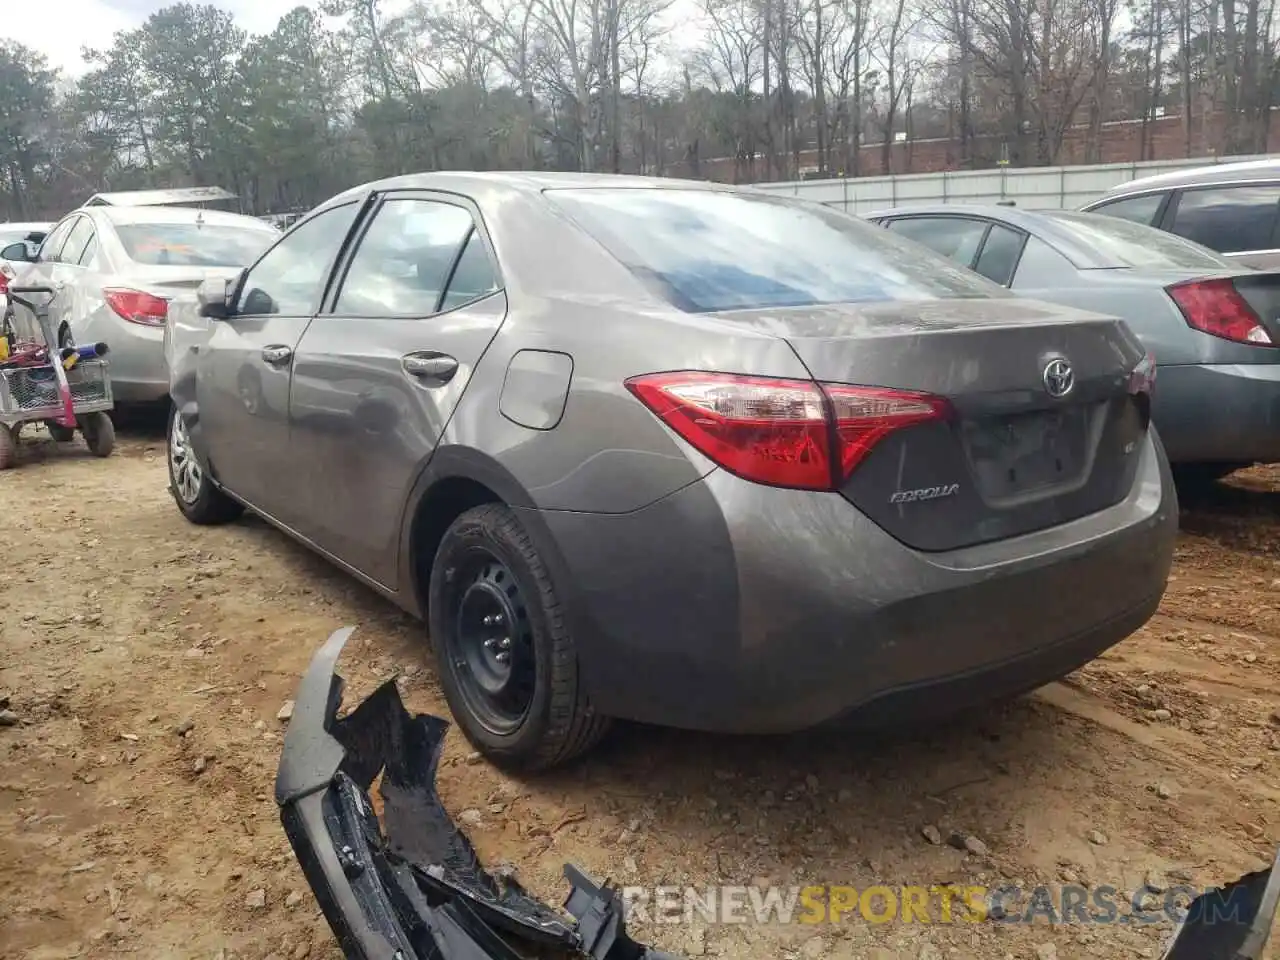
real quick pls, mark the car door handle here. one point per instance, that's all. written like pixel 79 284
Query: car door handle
pixel 277 355
pixel 437 367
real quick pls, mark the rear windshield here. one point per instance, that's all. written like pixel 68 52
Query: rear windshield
pixel 1122 243
pixel 708 250
pixel 193 244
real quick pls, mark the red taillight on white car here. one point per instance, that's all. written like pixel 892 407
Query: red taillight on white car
pixel 136 306
pixel 782 432
pixel 1215 307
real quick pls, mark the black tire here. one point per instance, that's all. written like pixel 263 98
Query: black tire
pixel 99 433
pixel 197 497
pixel 8 448
pixel 59 432
pixel 559 722
pixel 64 337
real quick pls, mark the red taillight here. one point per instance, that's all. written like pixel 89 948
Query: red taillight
pixel 136 306
pixel 780 432
pixel 1216 308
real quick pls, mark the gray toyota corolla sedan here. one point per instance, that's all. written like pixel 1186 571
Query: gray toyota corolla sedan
pixel 677 453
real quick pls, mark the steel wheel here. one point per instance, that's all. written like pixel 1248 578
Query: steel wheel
pixel 490 648
pixel 183 464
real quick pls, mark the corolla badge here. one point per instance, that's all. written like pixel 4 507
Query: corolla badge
pixel 1059 378
pixel 925 493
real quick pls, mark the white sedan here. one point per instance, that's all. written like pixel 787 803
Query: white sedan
pixel 24 239
pixel 116 269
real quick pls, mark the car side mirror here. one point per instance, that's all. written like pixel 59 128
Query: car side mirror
pixel 214 297
pixel 18 253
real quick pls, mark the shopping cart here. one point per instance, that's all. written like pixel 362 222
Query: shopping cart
pixel 66 388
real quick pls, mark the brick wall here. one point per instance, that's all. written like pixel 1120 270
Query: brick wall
pixel 1121 143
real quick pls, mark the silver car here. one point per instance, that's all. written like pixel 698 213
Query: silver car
pixel 677 453
pixel 18 244
pixel 1213 326
pixel 1233 208
pixel 116 270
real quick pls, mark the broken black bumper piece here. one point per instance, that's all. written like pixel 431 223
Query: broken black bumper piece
pixel 408 886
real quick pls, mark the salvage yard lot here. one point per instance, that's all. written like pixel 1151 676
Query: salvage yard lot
pixel 146 662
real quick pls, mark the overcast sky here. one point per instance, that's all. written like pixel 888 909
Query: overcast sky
pixel 60 28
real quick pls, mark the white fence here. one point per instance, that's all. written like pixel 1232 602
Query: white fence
pixel 1035 188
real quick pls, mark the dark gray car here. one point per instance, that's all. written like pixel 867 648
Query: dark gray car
pixel 677 453
pixel 1213 326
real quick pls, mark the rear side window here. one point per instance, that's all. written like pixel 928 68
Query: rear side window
pixel 1134 209
pixel 80 238
pixel 956 238
pixel 1229 219
pixel 1000 254
pixel 707 250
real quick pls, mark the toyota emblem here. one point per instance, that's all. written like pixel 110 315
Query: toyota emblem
pixel 1059 378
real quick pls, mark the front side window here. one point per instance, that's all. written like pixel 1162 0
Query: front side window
pixel 1229 219
pixel 52 245
pixel 956 238
pixel 1141 209
pixel 404 259
pixel 708 250
pixel 290 277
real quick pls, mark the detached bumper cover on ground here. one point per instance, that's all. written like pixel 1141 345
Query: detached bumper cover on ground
pixel 409 887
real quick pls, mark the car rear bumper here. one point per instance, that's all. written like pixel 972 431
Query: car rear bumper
pixel 139 371
pixel 735 607
pixel 1219 413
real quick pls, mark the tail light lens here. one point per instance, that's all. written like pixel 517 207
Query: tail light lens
pixel 785 433
pixel 137 306
pixel 1216 308
pixel 5 276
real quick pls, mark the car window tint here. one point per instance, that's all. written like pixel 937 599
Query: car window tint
pixel 1119 243
pixel 473 277
pixel 1229 219
pixel 404 259
pixel 1041 266
pixel 290 277
pixel 79 238
pixel 956 238
pixel 1000 254
pixel 193 244
pixel 52 244
pixel 705 250
pixel 1134 209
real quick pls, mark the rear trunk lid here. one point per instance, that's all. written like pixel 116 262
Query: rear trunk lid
pixel 1045 427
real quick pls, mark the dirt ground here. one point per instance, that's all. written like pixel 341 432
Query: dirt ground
pixel 146 660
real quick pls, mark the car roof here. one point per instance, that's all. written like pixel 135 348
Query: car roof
pixel 1214 173
pixel 490 182
pixel 1044 224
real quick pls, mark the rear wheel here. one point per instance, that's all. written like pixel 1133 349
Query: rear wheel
pixel 99 433
pixel 195 494
pixel 507 662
